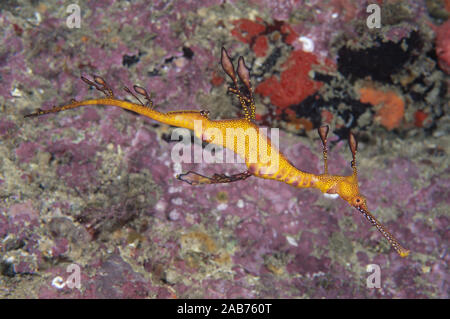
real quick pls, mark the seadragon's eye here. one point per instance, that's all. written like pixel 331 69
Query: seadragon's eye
pixel 358 201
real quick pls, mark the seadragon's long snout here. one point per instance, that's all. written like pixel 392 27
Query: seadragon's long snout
pixel 347 188
pixel 402 251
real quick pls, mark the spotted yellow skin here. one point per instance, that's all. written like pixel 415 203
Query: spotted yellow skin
pixel 277 168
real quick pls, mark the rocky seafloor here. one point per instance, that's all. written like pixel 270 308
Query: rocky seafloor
pixel 94 189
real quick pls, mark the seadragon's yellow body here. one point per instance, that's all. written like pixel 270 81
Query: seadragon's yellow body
pixel 249 142
pixel 279 168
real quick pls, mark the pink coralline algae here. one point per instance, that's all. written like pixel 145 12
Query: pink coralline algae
pixel 95 187
pixel 443 46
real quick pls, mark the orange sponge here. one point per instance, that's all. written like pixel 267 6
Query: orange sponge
pixel 392 108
